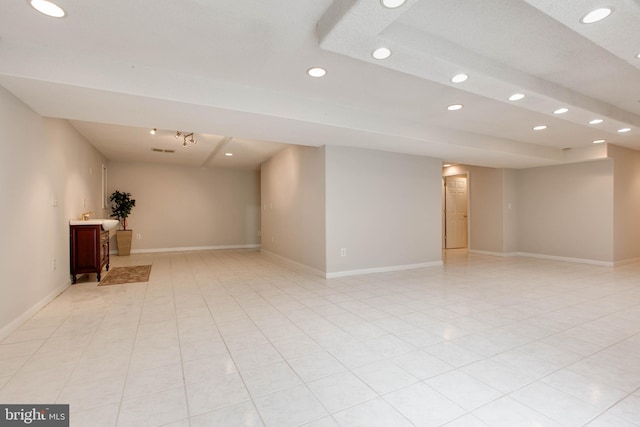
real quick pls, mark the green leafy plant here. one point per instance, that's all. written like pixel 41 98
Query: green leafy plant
pixel 121 205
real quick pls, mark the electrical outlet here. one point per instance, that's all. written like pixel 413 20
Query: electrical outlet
pixel 53 264
pixel 343 252
pixel 138 236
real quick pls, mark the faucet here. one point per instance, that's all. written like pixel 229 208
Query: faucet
pixel 86 215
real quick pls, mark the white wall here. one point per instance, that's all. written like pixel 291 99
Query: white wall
pixel 510 211
pixel 383 208
pixel 379 206
pixel 182 207
pixel 40 160
pixel 293 206
pixel 567 211
pixel 626 195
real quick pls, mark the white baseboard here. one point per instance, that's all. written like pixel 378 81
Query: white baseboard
pixel 17 322
pixel 501 254
pixel 346 273
pixel 286 262
pixel 558 258
pixel 289 263
pixel 626 261
pixel 567 259
pixel 191 249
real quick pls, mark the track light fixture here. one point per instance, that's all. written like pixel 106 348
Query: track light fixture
pixel 186 137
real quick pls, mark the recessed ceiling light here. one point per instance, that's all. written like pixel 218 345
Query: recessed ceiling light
pixel 561 110
pixel 454 107
pixel 459 78
pixel 596 121
pixel 153 131
pixel 392 4
pixel 48 8
pixel 598 141
pixel 624 130
pixel 596 15
pixel 446 165
pixel 228 154
pixel 516 97
pixel 638 56
pixel 541 127
pixel 317 72
pixel 381 53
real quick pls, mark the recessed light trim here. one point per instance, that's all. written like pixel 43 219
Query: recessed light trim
pixel 624 130
pixel 392 4
pixel 381 53
pixel 599 141
pixel 561 110
pixel 459 78
pixel 47 8
pixel 541 127
pixel 454 107
pixel 596 15
pixel 228 154
pixel 516 97
pixel 596 121
pixel 317 72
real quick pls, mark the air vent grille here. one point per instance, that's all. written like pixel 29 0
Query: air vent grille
pixel 160 150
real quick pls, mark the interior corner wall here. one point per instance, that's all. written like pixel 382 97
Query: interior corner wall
pixel 566 211
pixel 486 208
pixel 510 211
pixel 49 174
pixel 187 207
pixel 626 196
pixel 383 208
pixel 293 206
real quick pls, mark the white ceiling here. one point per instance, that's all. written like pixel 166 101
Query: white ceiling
pixel 235 74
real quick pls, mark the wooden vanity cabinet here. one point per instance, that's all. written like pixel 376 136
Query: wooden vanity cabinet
pixel 89 245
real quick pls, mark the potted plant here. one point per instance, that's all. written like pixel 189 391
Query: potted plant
pixel 121 205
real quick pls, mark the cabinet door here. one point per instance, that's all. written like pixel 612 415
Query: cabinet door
pixel 86 248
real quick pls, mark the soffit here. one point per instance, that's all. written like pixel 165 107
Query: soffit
pixel 238 69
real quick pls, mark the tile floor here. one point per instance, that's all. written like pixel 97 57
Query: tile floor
pixel 231 339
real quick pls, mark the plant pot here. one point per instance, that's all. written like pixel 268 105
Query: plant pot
pixel 123 238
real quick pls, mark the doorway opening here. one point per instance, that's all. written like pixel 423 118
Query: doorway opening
pixel 456 212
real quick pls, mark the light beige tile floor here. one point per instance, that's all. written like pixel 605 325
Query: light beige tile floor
pixel 231 339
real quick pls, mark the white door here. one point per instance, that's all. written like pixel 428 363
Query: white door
pixel 455 212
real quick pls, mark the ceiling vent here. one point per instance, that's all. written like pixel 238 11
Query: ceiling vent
pixel 160 150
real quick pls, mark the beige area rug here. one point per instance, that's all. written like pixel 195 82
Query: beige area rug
pixel 122 275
